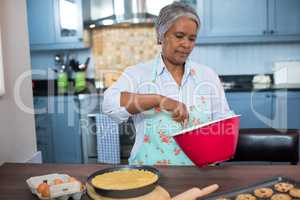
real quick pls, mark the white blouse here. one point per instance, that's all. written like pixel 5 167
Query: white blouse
pixel 138 79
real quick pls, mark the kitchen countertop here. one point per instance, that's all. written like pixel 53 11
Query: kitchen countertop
pixel 48 88
pixel 272 87
pixel 231 83
pixel 243 83
pixel 174 179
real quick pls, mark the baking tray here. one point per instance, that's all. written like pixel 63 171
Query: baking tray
pixel 250 189
pixel 130 193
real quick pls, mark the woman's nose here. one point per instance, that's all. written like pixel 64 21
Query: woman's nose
pixel 186 43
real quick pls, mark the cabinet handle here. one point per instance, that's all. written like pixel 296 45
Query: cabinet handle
pixel 80 39
pixel 265 32
pixel 272 32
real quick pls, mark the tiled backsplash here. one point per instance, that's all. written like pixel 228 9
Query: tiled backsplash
pixel 115 48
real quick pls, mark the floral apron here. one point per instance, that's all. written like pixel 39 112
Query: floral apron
pixel 159 148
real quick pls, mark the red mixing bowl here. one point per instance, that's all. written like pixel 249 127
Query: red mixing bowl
pixel 212 142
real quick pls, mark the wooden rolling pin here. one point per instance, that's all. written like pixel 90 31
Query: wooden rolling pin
pixel 195 193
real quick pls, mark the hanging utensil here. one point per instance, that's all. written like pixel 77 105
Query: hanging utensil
pixel 74 65
pixel 84 66
pixel 87 63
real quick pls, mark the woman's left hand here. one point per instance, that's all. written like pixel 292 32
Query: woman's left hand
pixel 178 109
pixel 181 113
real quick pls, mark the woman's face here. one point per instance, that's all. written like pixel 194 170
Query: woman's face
pixel 179 40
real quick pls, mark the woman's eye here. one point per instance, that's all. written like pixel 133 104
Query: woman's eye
pixel 179 36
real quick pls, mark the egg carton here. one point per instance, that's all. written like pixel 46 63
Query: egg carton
pixel 61 191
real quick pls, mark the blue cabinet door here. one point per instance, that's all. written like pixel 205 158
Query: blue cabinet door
pixel 43 127
pixel 255 108
pixel 234 18
pixel 286 109
pixel 55 24
pixel 89 106
pixel 40 22
pixel 293 110
pixel 68 18
pixel 66 130
pixel 44 137
pixel 284 17
pixel 237 21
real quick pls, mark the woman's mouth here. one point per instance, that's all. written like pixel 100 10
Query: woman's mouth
pixel 183 53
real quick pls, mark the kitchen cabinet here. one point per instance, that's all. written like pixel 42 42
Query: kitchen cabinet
pixel 286 109
pixel 40 22
pixel 255 108
pixel 250 107
pixel 277 109
pixel 284 17
pixel 237 21
pixel 55 24
pixel 66 130
pixel 89 106
pixel 58 129
pixel 235 17
pixel 43 124
pixel 293 110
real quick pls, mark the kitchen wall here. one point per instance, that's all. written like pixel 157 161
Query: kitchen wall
pixel 245 58
pixel 117 48
pixel 17 143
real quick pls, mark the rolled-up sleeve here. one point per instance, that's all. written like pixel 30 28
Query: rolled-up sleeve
pixel 111 103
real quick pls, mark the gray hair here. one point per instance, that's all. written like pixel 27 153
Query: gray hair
pixel 169 14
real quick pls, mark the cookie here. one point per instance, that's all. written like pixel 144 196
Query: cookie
pixel 281 197
pixel 295 192
pixel 263 192
pixel 245 197
pixel 283 187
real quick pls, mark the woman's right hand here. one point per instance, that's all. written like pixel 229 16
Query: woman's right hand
pixel 178 109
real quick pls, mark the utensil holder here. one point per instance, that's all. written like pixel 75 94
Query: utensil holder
pixel 62 81
pixel 80 82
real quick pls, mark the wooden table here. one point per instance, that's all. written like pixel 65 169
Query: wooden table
pixel 174 179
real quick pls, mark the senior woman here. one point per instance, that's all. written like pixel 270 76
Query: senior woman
pixel 167 93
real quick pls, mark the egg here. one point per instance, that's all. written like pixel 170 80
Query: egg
pixel 58 181
pixel 46 192
pixel 44 189
pixel 72 179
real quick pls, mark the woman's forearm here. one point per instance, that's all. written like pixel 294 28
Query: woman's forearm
pixel 136 103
